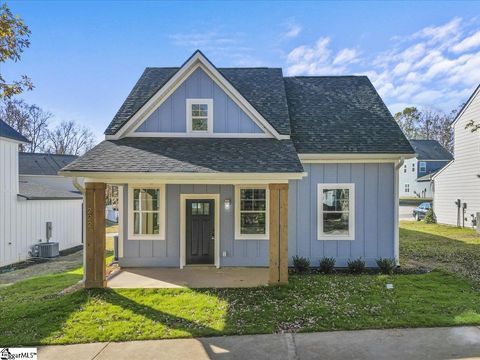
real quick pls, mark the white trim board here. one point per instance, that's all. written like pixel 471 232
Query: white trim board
pixel 352 158
pixel 467 104
pixel 198 60
pixel 183 215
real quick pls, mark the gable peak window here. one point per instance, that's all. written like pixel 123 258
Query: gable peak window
pixel 200 115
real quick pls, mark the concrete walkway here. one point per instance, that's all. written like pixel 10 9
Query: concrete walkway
pixel 434 343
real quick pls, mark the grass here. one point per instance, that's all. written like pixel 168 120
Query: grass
pixel 434 246
pixel 33 313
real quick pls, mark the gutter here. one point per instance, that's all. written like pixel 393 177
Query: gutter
pixel 77 185
pixel 396 247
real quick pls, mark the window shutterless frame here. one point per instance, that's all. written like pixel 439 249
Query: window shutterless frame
pixel 209 116
pixel 162 217
pixel 351 212
pixel 238 233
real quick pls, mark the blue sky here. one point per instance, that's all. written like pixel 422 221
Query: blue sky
pixel 86 56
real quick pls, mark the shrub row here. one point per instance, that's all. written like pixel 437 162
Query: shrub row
pixel 356 266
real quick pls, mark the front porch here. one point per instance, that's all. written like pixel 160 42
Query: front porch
pixel 164 262
pixel 189 277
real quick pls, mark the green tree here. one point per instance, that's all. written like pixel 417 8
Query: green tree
pixel 14 38
pixel 408 120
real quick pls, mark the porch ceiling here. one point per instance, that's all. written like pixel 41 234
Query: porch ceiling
pixel 189 277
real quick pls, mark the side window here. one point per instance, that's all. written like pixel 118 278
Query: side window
pixel 407 188
pixel 336 212
pixel 413 167
pixel 200 115
pixel 405 168
pixel 146 213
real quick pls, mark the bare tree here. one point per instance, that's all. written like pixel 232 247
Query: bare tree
pixel 37 130
pixel 70 138
pixel 408 120
pixel 29 120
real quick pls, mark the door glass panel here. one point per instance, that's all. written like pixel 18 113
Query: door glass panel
pixel 206 209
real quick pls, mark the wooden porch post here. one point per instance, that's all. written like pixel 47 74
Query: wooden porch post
pixel 95 235
pixel 278 227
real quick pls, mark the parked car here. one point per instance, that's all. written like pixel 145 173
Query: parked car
pixel 421 210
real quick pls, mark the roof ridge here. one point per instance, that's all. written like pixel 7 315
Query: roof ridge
pixel 42 153
pixel 323 76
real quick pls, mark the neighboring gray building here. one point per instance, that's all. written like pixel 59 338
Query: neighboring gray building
pixel 195 149
pixel 416 173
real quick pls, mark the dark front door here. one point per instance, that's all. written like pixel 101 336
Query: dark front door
pixel 200 228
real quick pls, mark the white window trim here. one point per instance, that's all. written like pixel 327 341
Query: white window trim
pixel 238 235
pixel 161 231
pixel 351 212
pixel 209 103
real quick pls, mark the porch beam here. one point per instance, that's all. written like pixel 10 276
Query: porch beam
pixel 95 235
pixel 278 230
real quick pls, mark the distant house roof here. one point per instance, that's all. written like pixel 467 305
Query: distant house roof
pixel 34 191
pixel 341 114
pixel 191 155
pixel 263 88
pixel 42 164
pixel 430 150
pixel 427 177
pixel 6 131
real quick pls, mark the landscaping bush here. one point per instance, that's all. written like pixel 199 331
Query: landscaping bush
pixel 326 265
pixel 301 264
pixel 430 217
pixel 386 265
pixel 356 266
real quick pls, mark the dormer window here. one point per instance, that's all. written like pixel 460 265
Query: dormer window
pixel 200 115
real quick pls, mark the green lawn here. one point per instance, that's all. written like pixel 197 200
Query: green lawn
pixel 32 312
pixel 443 247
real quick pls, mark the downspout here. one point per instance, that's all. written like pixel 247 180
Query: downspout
pixel 396 248
pixel 80 188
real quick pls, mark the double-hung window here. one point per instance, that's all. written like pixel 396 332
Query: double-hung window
pixel 251 212
pixel 200 115
pixel 336 212
pixel 407 188
pixel 146 212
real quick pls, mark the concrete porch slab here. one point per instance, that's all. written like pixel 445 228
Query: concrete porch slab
pixel 189 277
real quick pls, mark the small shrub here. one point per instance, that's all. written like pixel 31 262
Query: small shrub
pixel 386 265
pixel 356 266
pixel 430 217
pixel 301 264
pixel 326 265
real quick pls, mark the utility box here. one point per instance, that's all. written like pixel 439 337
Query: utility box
pixel 48 230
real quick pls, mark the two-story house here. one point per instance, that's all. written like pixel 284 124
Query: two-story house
pixel 416 173
pixel 457 185
pixel 244 167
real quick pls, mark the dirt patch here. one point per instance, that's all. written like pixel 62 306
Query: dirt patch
pixel 57 265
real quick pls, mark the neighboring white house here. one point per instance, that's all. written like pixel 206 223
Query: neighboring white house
pixel 33 196
pixel 460 180
pixel 416 174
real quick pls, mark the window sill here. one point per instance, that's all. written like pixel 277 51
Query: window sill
pixel 146 237
pixel 252 237
pixel 336 238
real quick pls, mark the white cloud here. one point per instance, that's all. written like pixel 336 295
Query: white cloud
pixel 436 66
pixel 293 30
pixel 345 56
pixel 467 43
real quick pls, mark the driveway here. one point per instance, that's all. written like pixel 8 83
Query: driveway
pixel 431 343
pixel 405 212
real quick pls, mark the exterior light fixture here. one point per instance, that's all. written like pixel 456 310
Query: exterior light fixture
pixel 227 203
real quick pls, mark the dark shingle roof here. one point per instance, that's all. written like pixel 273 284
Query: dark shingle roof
pixel 35 191
pixel 192 155
pixel 341 114
pixel 42 164
pixel 263 88
pixel 7 131
pixel 430 150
